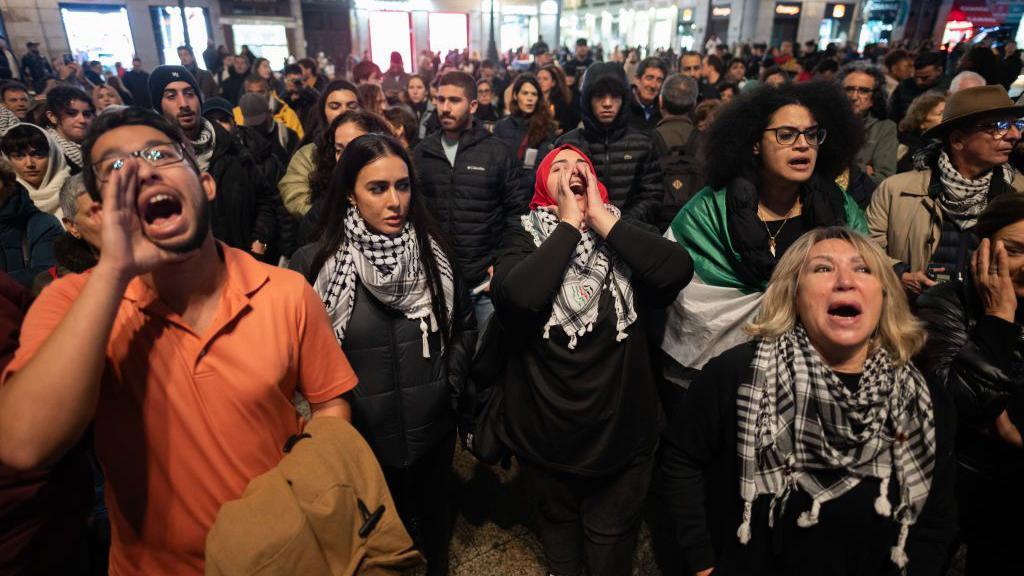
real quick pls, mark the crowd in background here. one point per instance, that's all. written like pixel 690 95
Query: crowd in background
pixel 775 288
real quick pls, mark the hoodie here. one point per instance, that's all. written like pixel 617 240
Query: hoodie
pixel 622 155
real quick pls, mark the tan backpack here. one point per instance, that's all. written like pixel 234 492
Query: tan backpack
pixel 324 510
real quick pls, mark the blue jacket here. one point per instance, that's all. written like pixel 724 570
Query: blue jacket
pixel 26 237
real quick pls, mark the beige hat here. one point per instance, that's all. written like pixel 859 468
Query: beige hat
pixel 972 103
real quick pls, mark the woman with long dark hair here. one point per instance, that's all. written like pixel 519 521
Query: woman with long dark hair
pixel 559 97
pixel 773 158
pixel 263 69
pixel 529 129
pixel 405 322
pixel 417 96
pixel 338 97
pixel 329 148
pixel 580 406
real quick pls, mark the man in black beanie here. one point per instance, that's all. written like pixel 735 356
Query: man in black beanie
pixel 243 212
pixel 622 155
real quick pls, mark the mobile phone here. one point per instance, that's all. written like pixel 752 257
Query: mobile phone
pixel 938 273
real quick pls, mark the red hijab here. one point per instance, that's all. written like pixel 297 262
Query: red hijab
pixel 544 197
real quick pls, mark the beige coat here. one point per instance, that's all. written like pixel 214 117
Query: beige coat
pixel 905 221
pixel 294 185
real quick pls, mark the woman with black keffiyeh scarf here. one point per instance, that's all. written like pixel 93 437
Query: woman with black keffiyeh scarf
pixel 580 408
pixel 818 447
pixel 406 324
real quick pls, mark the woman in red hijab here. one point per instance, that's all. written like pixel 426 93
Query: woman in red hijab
pixel 581 409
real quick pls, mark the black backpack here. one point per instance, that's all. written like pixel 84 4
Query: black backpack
pixel 681 174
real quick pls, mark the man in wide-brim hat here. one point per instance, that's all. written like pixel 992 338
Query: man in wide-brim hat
pixel 925 218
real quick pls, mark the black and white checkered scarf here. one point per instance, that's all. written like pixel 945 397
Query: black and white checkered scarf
pixel 204 145
pixel 71 150
pixel 964 199
pixel 592 267
pixel 390 269
pixel 800 427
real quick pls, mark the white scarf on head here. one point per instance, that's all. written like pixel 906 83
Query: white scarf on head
pixel 46 196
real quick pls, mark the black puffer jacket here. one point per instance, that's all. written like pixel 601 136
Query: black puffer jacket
pixel 404 403
pixel 513 130
pixel 979 360
pixel 622 155
pixel 243 210
pixel 474 201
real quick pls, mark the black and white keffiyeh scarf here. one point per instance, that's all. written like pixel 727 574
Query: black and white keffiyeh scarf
pixel 204 145
pixel 800 427
pixel 390 269
pixel 72 151
pixel 592 268
pixel 964 199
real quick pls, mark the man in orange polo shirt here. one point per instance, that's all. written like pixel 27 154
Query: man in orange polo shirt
pixel 184 353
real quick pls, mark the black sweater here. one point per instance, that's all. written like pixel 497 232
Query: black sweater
pixel 702 484
pixel 592 410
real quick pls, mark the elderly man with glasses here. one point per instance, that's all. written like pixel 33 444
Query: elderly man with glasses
pixel 925 219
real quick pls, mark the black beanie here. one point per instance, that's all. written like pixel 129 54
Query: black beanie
pixel 161 76
pixel 1003 210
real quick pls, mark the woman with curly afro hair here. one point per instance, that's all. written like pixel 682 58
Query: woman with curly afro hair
pixel 771 160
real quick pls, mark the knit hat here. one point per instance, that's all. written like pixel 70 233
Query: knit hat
pixel 163 75
pixel 217 103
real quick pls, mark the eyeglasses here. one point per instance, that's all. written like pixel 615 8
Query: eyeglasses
pixel 158 156
pixel 788 135
pixel 1000 129
pixel 859 90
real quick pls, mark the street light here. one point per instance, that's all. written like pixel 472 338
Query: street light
pixel 492 46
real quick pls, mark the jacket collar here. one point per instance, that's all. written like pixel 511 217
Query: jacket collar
pixel 244 276
pixel 470 137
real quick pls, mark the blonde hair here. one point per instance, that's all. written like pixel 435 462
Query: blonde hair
pixel 898 331
pixel 99 89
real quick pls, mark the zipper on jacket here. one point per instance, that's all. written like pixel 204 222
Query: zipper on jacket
pixel 398 391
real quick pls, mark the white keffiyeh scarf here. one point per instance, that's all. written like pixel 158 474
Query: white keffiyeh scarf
pixel 800 427
pixel 964 199
pixel 72 151
pixel 390 269
pixel 204 145
pixel 592 268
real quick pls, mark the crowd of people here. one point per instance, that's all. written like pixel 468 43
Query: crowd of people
pixel 776 288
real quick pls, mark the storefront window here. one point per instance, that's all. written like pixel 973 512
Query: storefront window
pixel 390 32
pixel 448 31
pixel 835 25
pixel 879 20
pixel 170 34
pixel 98 33
pixel 265 40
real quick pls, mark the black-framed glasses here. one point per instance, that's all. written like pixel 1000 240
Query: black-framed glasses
pixel 157 156
pixel 1000 129
pixel 788 135
pixel 859 90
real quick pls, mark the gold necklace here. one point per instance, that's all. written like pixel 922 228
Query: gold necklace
pixel 771 237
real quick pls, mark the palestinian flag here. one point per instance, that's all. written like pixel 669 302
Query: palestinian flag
pixel 708 316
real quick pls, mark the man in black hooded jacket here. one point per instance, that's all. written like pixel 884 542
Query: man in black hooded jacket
pixel 622 155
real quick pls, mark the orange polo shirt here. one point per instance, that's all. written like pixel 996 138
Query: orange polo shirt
pixel 186 420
